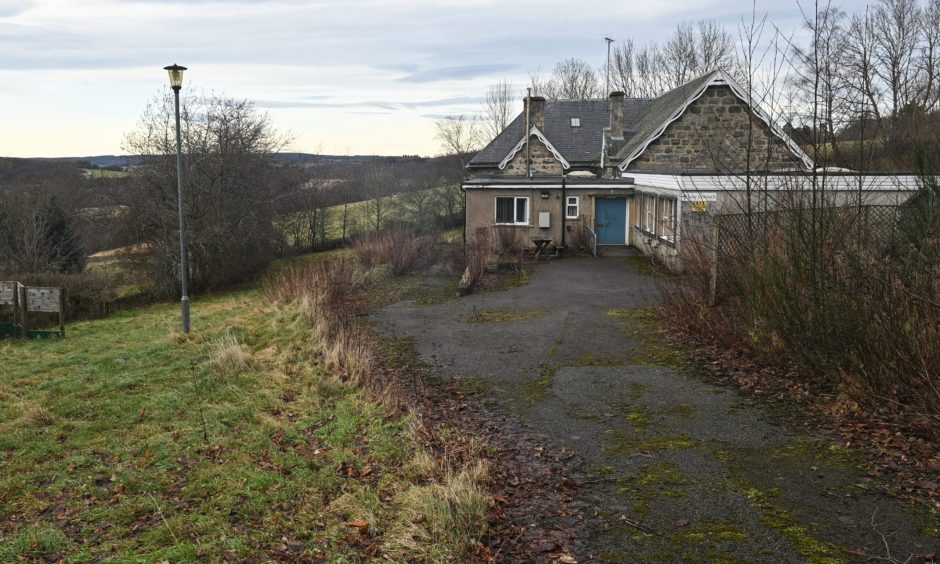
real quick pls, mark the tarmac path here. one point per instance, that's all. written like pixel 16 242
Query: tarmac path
pixel 678 467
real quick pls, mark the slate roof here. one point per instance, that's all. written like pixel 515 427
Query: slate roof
pixel 658 111
pixel 642 119
pixel 579 145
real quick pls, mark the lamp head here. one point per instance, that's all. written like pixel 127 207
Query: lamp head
pixel 176 76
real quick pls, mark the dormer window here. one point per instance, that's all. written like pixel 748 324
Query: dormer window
pixel 575 122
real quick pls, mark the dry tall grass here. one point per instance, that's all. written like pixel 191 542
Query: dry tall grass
pixel 227 356
pixel 442 521
pixel 443 518
pixel 397 248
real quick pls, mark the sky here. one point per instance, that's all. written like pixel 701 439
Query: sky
pixel 337 76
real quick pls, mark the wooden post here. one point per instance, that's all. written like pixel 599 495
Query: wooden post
pixel 62 301
pixel 24 310
pixel 715 242
pixel 16 302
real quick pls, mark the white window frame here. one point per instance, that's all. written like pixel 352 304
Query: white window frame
pixel 650 205
pixel 670 207
pixel 515 204
pixel 576 204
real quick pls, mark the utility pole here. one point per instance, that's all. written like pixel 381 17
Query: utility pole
pixel 607 93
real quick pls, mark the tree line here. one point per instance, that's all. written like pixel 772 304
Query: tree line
pixel 245 203
pixel 875 72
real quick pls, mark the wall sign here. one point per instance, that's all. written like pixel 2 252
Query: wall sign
pixel 699 197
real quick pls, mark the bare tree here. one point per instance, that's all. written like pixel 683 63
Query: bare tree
pixel 459 137
pixel 715 46
pixel 377 182
pixel 690 51
pixel 499 106
pixel 929 62
pixel 571 79
pixel 680 55
pixel 821 78
pixel 896 27
pixel 36 235
pixel 232 178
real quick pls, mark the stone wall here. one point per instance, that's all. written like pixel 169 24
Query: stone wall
pixel 712 137
pixel 543 161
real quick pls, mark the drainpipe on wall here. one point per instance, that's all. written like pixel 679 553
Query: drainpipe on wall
pixel 528 153
pixel 564 209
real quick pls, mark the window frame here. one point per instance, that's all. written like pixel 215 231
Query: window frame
pixel 650 205
pixel 515 210
pixel 668 211
pixel 576 205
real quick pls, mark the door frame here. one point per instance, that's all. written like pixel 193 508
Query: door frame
pixel 626 227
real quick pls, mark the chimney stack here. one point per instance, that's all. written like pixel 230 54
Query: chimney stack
pixel 616 115
pixel 536 112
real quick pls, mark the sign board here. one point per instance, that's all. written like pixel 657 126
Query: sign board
pixel 8 293
pixel 699 206
pixel 699 197
pixel 43 299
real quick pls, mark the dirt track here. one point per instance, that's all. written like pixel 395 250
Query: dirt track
pixel 675 467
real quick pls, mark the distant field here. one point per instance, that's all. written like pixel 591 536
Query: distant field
pixel 125 442
pixel 103 173
pixel 357 220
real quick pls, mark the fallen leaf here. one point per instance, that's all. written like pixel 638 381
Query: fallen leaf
pixel 358 523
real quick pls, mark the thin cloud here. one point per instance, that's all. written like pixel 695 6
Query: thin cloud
pixel 381 104
pixel 10 8
pixel 460 72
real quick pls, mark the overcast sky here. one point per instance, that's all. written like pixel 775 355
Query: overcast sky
pixel 356 76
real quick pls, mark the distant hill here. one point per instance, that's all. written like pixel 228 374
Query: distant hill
pixel 124 161
pixel 100 161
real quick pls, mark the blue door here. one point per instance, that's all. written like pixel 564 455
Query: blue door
pixel 611 220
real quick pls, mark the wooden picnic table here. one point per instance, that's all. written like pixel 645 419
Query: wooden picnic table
pixel 541 243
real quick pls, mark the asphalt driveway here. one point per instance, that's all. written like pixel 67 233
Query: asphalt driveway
pixel 679 468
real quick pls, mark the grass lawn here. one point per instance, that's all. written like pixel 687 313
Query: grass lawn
pixel 127 442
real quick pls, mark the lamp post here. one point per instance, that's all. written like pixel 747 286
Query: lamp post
pixel 176 83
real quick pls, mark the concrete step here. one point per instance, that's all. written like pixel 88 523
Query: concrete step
pixel 618 251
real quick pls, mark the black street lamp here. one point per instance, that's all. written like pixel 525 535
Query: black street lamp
pixel 176 83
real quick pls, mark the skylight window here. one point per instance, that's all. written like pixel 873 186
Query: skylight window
pixel 575 122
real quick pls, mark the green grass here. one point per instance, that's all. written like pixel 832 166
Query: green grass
pixel 103 173
pixel 128 442
pixel 358 220
pixel 499 316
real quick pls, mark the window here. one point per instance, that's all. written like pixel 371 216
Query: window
pixel 512 211
pixel 667 216
pixel 572 207
pixel 649 223
pixel 575 122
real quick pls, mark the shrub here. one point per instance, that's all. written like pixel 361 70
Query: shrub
pixel 851 300
pixel 580 238
pixel 398 248
pixel 325 288
pixel 509 244
pixel 477 254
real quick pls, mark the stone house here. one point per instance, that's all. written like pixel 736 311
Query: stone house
pixel 639 172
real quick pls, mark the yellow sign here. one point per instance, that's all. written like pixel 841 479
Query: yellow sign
pixel 699 206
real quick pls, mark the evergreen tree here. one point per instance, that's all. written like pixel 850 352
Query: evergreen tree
pixel 65 251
